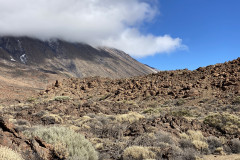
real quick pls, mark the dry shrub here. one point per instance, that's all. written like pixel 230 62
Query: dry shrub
pixel 197 139
pixel 52 119
pixel 226 123
pixel 189 154
pixel 235 146
pixel 200 145
pixel 213 143
pixel 186 144
pixel 154 140
pixel 195 135
pixel 138 153
pixel 114 130
pixel 129 117
pixel 9 154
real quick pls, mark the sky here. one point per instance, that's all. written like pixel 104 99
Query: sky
pixel 209 28
pixel 164 34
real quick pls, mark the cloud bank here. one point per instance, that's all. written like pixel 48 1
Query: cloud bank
pixel 112 23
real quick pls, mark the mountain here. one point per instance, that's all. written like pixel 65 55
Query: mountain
pixel 28 65
pixel 74 59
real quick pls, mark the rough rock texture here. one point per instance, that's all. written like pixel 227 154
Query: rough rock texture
pixel 221 81
pixel 29 149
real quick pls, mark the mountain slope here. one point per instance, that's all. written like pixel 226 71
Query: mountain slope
pixel 75 59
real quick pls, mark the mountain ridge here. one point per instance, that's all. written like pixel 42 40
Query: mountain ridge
pixel 78 59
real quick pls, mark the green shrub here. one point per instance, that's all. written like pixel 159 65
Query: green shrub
pixel 226 123
pixel 8 154
pixel 76 145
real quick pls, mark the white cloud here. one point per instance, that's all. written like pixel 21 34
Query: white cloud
pixel 110 23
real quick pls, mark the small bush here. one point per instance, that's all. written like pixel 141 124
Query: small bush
pixel 235 146
pixel 167 151
pixel 152 111
pixel 226 123
pixel 200 145
pixel 185 144
pixel 138 153
pixel 197 140
pixel 153 140
pixel 213 143
pixel 8 154
pixel 129 117
pixel 164 137
pixel 189 154
pixel 195 135
pixel 182 113
pixel 77 146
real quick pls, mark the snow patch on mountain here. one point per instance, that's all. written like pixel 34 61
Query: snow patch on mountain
pixel 23 58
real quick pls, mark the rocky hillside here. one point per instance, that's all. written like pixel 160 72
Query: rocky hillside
pixel 169 115
pixel 221 81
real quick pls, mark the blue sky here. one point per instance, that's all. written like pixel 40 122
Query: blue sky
pixel 209 28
